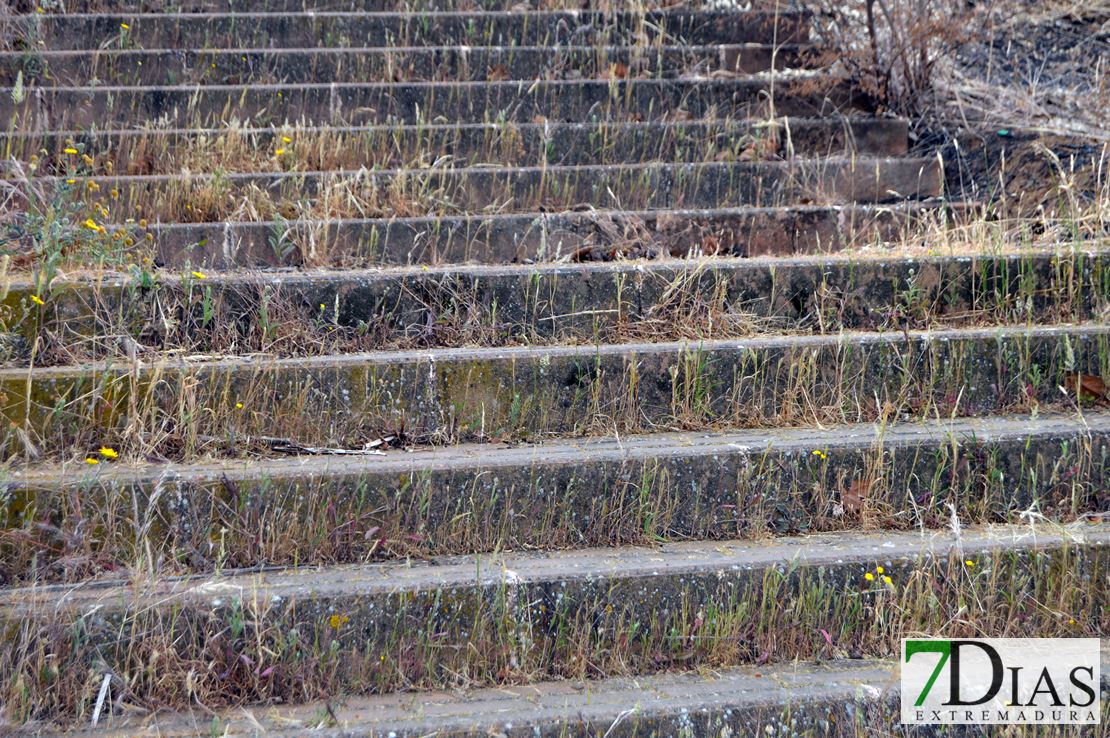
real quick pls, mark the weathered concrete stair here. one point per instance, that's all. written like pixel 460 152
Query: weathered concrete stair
pixel 149 151
pixel 353 103
pixel 513 392
pixel 548 303
pixel 836 699
pixel 152 67
pixel 650 186
pixel 381 29
pixel 560 494
pixel 533 614
pixel 586 235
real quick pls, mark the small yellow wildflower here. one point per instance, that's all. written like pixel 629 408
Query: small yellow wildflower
pixel 878 570
pixel 238 406
pixel 70 150
pixel 91 461
pixel 71 181
pixel 279 152
pixel 108 452
pixel 93 186
pixel 286 139
pixel 821 454
pixel 114 194
pixel 142 223
pixel 37 300
pixel 88 159
pixel 969 562
pixel 125 27
pixel 92 226
pixel 1071 621
pixel 200 275
pixel 869 577
pixel 888 580
pixel 336 621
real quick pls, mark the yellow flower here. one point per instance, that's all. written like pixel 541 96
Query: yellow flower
pixel 820 453
pixel 92 226
pixel 70 150
pixel 91 461
pixel 37 300
pixel 200 275
pixel 88 159
pixel 335 621
pixel 286 139
pixel 93 186
pixel 888 580
pixel 878 570
pixel 238 406
pixel 108 452
pixel 969 562
pixel 279 152
pixel 125 27
pixel 71 181
pixel 869 577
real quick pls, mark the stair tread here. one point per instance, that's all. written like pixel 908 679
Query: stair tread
pixel 688 444
pixel 540 353
pixel 862 162
pixel 602 703
pixel 583 565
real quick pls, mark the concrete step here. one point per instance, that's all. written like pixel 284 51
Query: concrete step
pixel 539 237
pixel 840 698
pixel 543 304
pixel 638 490
pixel 802 93
pixel 503 619
pixel 250 30
pixel 183 406
pixel 223 196
pixel 154 151
pixel 146 67
pixel 835 699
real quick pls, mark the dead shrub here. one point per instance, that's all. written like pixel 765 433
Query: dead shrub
pixel 892 47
